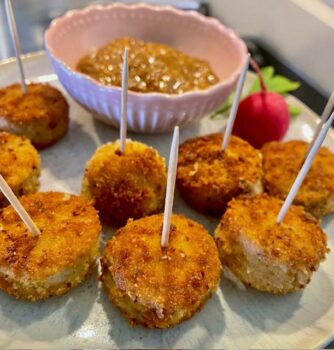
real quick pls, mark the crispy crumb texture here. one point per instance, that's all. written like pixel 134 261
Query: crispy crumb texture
pixel 208 178
pixel 20 165
pixel 160 287
pixel 34 268
pixel 123 186
pixel 281 163
pixel 41 115
pixel 271 257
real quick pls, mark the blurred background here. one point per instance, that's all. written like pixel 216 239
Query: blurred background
pixel 296 36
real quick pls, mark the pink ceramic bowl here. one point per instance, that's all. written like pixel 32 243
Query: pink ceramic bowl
pixel 79 31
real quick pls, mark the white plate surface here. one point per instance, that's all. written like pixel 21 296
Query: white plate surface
pixel 84 318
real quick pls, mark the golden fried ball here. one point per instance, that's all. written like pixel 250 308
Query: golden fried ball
pixel 41 114
pixel 270 257
pixel 281 164
pixel 160 287
pixel 128 185
pixel 20 165
pixel 208 178
pixel 38 267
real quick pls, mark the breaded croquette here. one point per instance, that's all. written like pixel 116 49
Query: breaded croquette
pixel 38 267
pixel 208 177
pixel 160 287
pixel 20 165
pixel 281 163
pixel 128 185
pixel 41 114
pixel 270 257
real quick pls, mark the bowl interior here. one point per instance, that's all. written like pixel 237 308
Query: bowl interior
pixel 80 32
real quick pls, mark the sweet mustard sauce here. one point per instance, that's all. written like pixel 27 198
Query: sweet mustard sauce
pixel 153 67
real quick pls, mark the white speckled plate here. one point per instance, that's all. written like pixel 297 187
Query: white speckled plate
pixel 84 318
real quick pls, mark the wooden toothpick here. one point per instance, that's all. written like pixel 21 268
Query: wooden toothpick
pixel 124 101
pixel 172 166
pixel 25 217
pixel 325 114
pixel 234 109
pixel 16 42
pixel 304 170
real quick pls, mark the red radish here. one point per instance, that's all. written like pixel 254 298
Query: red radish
pixel 262 116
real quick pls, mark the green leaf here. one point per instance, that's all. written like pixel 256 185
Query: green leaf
pixel 216 115
pixel 282 85
pixel 224 108
pixel 274 83
pixel 267 74
pixel 294 110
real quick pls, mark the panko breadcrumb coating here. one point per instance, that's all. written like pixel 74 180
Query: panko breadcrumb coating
pixel 41 114
pixel 208 178
pixel 281 164
pixel 160 287
pixel 270 257
pixel 123 186
pixel 38 267
pixel 20 165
